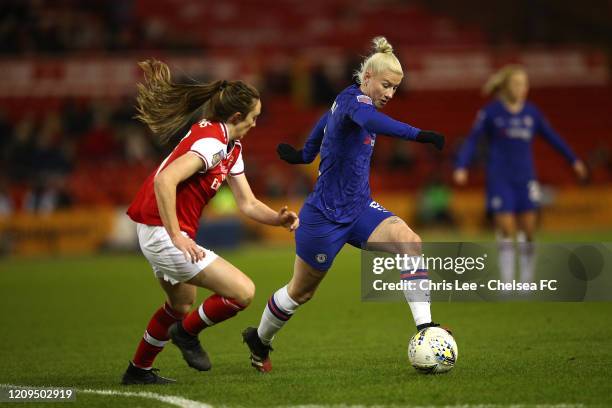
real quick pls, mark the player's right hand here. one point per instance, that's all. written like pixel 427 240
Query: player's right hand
pixel 289 154
pixel 428 136
pixel 460 176
pixel 581 170
pixel 192 252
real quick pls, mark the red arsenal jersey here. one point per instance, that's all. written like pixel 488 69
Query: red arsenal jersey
pixel 209 140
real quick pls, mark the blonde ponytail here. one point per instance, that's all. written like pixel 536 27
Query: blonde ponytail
pixel 497 82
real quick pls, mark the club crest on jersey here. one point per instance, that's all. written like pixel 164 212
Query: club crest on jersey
pixel 321 258
pixel 364 99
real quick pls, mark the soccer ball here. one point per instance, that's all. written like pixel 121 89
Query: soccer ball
pixel 432 350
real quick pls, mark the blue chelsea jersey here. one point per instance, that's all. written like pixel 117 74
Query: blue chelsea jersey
pixel 510 136
pixel 345 137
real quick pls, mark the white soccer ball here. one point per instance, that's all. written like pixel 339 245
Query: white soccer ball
pixel 432 350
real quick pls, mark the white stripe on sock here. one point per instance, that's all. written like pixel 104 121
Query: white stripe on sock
pixel 203 316
pixel 153 341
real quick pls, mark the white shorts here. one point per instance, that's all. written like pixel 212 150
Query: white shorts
pixel 166 260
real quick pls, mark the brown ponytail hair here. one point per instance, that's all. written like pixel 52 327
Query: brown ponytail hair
pixel 166 107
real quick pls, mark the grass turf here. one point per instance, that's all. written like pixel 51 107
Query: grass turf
pixel 75 322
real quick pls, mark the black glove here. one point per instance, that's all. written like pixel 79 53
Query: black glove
pixel 288 153
pixel 427 136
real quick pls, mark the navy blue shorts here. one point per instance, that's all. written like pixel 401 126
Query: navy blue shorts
pixel 318 240
pixel 513 197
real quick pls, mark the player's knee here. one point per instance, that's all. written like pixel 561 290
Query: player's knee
pixel 245 294
pixel 409 241
pixel 182 307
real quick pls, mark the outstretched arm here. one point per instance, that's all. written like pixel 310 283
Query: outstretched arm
pixel 549 134
pixel 466 152
pixel 256 210
pixel 552 137
pixel 366 116
pixel 311 148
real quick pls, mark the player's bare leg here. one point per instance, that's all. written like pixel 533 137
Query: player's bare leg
pixel 181 296
pixel 394 236
pixel 281 306
pixel 304 282
pixel 527 223
pixel 505 226
pixel 226 280
pixel 233 292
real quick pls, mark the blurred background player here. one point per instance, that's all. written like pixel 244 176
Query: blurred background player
pixel 510 123
pixel 168 206
pixel 341 209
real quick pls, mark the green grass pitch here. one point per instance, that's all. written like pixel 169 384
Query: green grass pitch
pixel 75 322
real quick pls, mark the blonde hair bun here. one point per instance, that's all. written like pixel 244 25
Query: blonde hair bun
pixel 381 45
pixel 381 59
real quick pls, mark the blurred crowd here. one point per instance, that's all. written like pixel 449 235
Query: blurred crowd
pixel 39 27
pixel 57 157
pixel 39 152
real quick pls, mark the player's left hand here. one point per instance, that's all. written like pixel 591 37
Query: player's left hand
pixel 428 136
pixel 288 219
pixel 581 170
pixel 289 154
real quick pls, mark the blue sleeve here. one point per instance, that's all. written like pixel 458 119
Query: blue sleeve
pixel 366 116
pixel 548 133
pixel 466 152
pixel 313 143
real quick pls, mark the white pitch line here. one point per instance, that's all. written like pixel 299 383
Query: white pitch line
pixel 169 399
pixel 187 403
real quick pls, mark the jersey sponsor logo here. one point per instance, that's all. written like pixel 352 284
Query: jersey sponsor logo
pixel 516 122
pixel 519 133
pixel 216 183
pixel 364 99
pixel 321 258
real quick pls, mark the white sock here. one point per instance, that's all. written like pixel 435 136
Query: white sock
pixel 526 258
pixel 418 296
pixel 278 311
pixel 506 259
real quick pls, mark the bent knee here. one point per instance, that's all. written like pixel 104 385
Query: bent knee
pixel 408 241
pixel 245 294
pixel 181 307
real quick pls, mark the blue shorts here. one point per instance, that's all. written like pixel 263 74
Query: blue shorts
pixel 318 240
pixel 513 197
